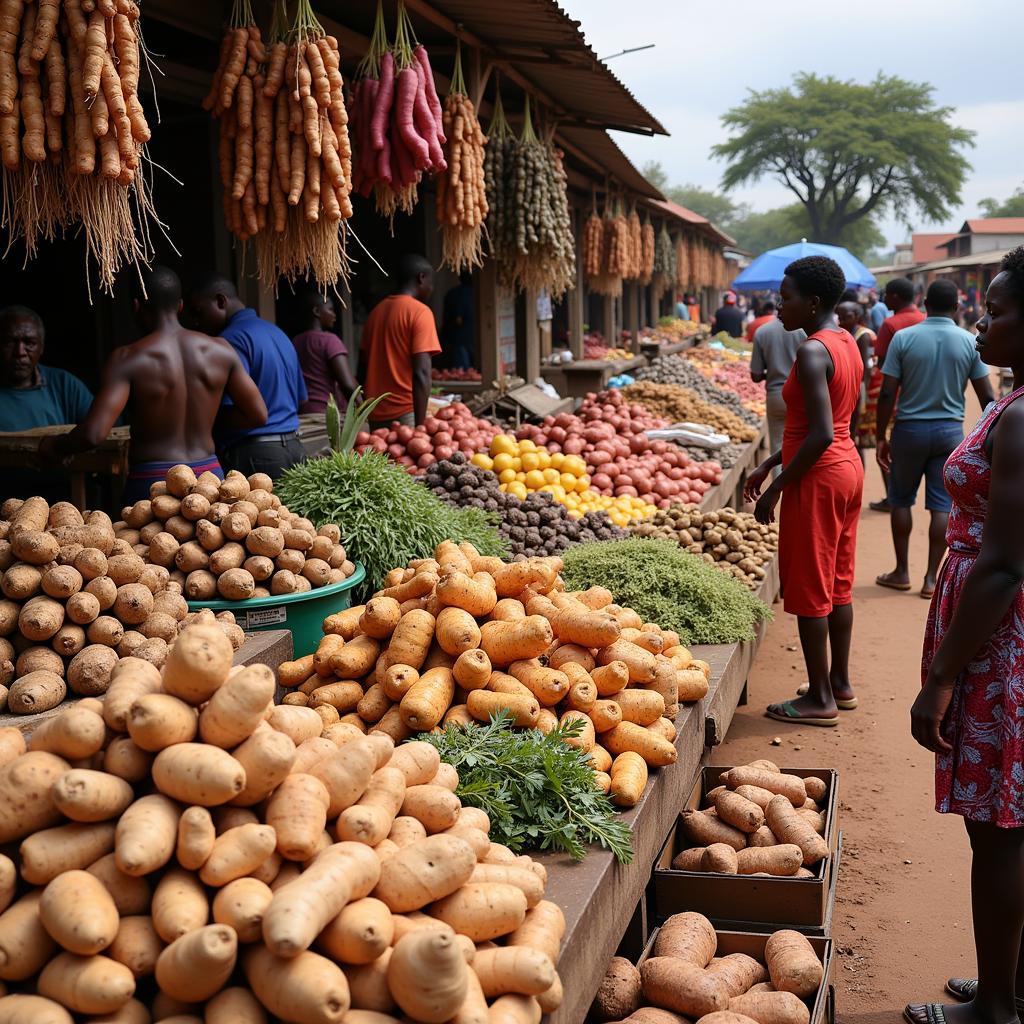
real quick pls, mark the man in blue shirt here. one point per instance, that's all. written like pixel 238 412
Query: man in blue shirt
pixel 878 311
pixel 33 395
pixel 269 357
pixel 928 365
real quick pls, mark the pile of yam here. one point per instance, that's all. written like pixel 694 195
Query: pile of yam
pixel 683 980
pixel 460 637
pixel 185 850
pixel 75 599
pixel 729 540
pixel 759 821
pixel 230 539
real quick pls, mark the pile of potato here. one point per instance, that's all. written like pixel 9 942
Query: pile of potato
pixel 680 404
pixel 75 600
pixel 231 539
pixel 760 821
pixel 683 980
pixel 460 637
pixel 187 850
pixel 729 540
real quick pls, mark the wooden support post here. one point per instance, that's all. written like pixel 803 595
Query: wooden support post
pixel 487 321
pixel 527 336
pixel 577 296
pixel 608 319
pixel 652 306
pixel 631 318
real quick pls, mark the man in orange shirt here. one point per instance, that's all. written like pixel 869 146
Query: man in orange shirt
pixel 399 338
pixel 766 316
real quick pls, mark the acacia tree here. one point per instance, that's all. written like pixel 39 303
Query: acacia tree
pixel 847 151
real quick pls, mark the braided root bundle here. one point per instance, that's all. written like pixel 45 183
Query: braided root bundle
pixel 284 152
pixel 665 267
pixel 593 246
pixel 462 187
pixel 683 276
pixel 647 257
pixel 72 128
pixel 636 248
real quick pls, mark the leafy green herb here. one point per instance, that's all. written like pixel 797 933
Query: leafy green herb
pixel 666 585
pixel 537 790
pixel 385 517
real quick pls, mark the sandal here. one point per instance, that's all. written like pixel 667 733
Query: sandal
pixel 882 581
pixel 789 714
pixel 844 705
pixel 965 989
pixel 924 1013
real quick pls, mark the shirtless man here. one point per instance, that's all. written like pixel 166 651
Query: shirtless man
pixel 170 384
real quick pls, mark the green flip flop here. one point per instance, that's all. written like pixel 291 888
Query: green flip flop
pixel 791 716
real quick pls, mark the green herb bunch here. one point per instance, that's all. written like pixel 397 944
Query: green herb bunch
pixel 537 790
pixel 666 585
pixel 385 517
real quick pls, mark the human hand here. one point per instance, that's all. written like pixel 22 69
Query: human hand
pixel 764 510
pixel 927 715
pixel 48 454
pixel 883 455
pixel 753 484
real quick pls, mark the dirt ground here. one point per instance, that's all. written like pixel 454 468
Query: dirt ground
pixel 902 917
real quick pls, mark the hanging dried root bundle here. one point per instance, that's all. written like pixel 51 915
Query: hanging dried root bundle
pixel 647 260
pixel 73 131
pixel 284 152
pixel 462 187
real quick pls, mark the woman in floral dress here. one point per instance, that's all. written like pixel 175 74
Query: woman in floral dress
pixel 970 710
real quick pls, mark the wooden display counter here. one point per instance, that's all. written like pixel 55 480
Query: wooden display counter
pixel 270 647
pixel 599 896
pixel 578 379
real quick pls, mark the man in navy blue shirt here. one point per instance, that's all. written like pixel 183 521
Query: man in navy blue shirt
pixel 269 357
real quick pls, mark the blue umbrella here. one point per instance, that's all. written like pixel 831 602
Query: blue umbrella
pixel 766 272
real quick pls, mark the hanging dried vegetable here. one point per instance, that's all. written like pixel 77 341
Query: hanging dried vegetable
pixel 73 130
pixel 664 262
pixel 462 187
pixel 647 259
pixel 399 123
pixel 616 244
pixel 530 226
pixel 683 276
pixel 608 278
pixel 593 244
pixel 284 152
pixel 636 247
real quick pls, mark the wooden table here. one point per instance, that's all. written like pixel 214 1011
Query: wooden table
pixel 598 896
pixel 21 451
pixel 578 379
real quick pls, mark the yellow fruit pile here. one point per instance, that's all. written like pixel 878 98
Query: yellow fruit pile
pixel 523 467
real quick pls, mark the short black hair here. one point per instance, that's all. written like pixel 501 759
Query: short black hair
pixel 213 282
pixel 23 313
pixel 158 288
pixel 411 265
pixel 902 288
pixel 943 296
pixel 768 307
pixel 818 275
pixel 1013 266
pixel 850 295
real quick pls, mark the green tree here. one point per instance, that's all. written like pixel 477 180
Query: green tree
pixel 849 151
pixel 770 229
pixel 1012 207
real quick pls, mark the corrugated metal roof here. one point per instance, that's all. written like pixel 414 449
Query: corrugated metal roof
pixel 601 149
pixel 689 217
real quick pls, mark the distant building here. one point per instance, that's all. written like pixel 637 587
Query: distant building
pixel 985 235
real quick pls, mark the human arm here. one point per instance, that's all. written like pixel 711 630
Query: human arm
pixel 758 366
pixel 992 583
pixel 421 384
pixel 752 485
pixel 341 371
pixel 101 417
pixel 883 413
pixel 812 363
pixel 247 409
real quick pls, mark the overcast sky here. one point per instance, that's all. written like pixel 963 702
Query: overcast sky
pixel 710 52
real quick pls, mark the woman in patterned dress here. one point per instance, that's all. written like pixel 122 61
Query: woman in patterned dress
pixel 970 710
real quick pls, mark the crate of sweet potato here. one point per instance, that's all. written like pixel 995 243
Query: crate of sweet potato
pixel 755 845
pixel 692 972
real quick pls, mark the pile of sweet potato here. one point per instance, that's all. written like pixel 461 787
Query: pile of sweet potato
pixel 76 599
pixel 460 637
pixel 683 980
pixel 185 849
pixel 759 821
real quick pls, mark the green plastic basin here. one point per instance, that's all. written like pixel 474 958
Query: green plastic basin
pixel 303 614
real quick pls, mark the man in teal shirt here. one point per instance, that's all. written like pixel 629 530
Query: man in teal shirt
pixel 33 395
pixel 928 365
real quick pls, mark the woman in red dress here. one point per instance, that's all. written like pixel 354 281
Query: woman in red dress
pixel 820 486
pixel 970 710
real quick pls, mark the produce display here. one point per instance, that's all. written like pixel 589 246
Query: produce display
pixel 206 857
pixel 680 404
pixel 74 131
pixel 451 429
pixel 358 490
pixel 609 434
pixel 676 369
pixel 559 808
pixel 729 540
pixel 75 600
pixel 534 526
pixel 665 584
pixel 284 152
pixel 595 347
pixel 397 119
pixel 683 979
pixel 458 637
pixel 760 821
pixel 529 226
pixel 231 539
pixel 727 456
pixel 730 372
pixel 671 330
pixel 469 373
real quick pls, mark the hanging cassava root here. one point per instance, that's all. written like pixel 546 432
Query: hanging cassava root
pixel 73 130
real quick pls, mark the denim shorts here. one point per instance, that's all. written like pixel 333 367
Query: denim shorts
pixel 920 448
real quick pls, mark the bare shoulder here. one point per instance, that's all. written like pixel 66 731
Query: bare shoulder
pixel 213 347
